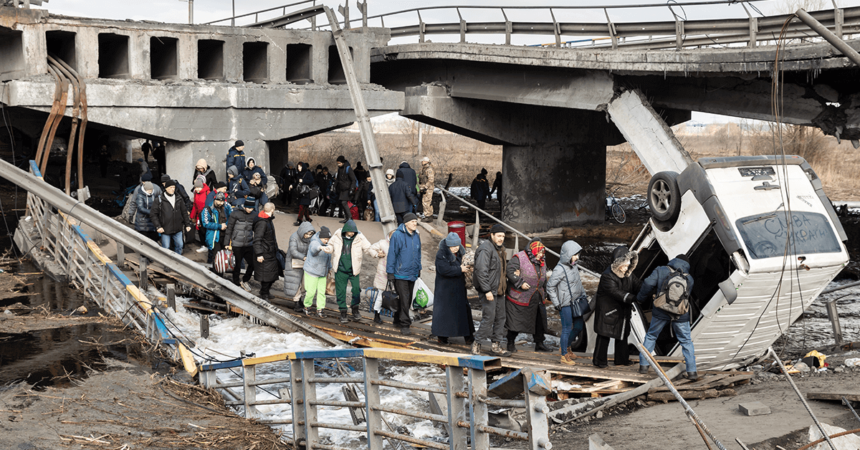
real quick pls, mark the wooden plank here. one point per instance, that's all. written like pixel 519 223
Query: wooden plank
pixel 853 396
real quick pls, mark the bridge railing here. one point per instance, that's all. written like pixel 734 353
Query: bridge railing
pixel 462 420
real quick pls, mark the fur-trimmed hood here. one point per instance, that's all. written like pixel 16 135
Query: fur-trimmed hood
pixel 622 255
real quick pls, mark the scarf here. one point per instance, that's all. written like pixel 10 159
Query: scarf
pixel 535 248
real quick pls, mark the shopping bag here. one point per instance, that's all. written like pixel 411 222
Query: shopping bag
pixel 422 297
pixel 224 261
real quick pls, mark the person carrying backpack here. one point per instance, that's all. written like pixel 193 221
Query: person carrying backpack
pixel 671 286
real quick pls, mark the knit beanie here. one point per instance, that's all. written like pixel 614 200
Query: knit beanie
pixel 453 240
pixel 250 202
pixel 497 228
pixel 169 183
pixel 409 217
pixel 220 196
pixel 146 177
pixel 325 233
pixel 239 143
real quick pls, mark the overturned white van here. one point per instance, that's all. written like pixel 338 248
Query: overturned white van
pixel 763 241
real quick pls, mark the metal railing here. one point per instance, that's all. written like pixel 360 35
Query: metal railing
pixel 461 420
pixel 256 14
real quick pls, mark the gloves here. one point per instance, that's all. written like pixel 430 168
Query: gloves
pixel 390 277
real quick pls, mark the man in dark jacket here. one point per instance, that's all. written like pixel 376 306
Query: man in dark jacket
pixel 236 156
pixel 404 267
pixel 362 195
pixel 240 239
pixel 403 198
pixel 497 188
pixel 180 191
pixel 345 184
pixel 160 155
pixel 409 176
pixel 490 282
pixel 659 318
pixel 266 269
pixel 615 295
pixel 325 191
pixel 170 217
pixel 480 190
pixel 237 187
pixel 286 181
pixel 360 172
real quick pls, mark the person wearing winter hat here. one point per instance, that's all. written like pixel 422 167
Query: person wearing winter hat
pixel 220 187
pixel 213 221
pixel 428 180
pixel 389 176
pixel 252 169
pixel 524 310
pixel 614 301
pixel 267 270
pixel 200 192
pixel 403 198
pixel 404 267
pixel 452 316
pixel 236 156
pixel 345 184
pixel 180 191
pixel 237 187
pixel 563 289
pixel 239 237
pixel 348 244
pixel 202 168
pixel 317 266
pixel 490 280
pixel 294 272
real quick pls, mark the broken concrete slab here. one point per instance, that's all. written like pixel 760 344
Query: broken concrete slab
pixel 754 408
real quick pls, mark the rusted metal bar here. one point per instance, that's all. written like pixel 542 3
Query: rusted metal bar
pixel 76 100
pixel 339 426
pixel 502 403
pixel 335 380
pixel 416 414
pixel 503 432
pixel 410 386
pixel 55 107
pixel 338 403
pixel 828 36
pixel 411 440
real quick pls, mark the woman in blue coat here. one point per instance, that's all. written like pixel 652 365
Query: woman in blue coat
pixel 452 316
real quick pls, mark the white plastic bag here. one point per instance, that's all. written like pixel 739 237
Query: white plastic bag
pixel 421 293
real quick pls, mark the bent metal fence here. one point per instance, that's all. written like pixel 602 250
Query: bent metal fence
pixel 466 388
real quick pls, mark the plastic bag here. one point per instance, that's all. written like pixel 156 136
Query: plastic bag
pixel 224 261
pixel 422 297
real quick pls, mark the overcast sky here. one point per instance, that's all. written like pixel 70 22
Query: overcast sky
pixel 176 11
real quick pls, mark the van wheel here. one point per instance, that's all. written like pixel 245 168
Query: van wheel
pixel 664 197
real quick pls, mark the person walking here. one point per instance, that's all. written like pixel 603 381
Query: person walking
pixel 480 189
pixel 564 288
pixel 297 254
pixel 317 266
pixel 240 237
pixel 403 198
pixel 202 169
pixel 428 180
pixel 237 187
pixel 404 267
pixel 266 266
pixel 286 181
pixel 345 184
pixel 304 186
pixel 452 315
pixel 221 187
pixel 490 280
pixel 615 295
pixel 497 188
pixel 213 221
pixel 389 177
pixel 170 217
pixel 201 193
pixel 409 176
pixel 160 155
pixel 236 156
pixel 362 198
pixel 180 191
pixel 144 198
pixel 669 280
pixel 348 244
pixel 146 148
pixel 526 274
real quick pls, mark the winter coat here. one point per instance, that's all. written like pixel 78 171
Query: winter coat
pixel 211 221
pixel 249 173
pixel 497 185
pixel 428 177
pixel 240 228
pixel 651 284
pixel 615 295
pixel 522 318
pixel 488 268
pixel 409 176
pixel 402 196
pixel 359 244
pixel 380 281
pixel 319 262
pixel 238 189
pixel 144 202
pixel 345 183
pixel 260 196
pixel 199 205
pixel 452 315
pixel 236 158
pixel 362 194
pixel 404 255
pixel 480 189
pixel 360 172
pixel 172 218
pixel 209 174
pixel 298 249
pixel 265 245
pixel 565 284
pixel 182 194
pixel 307 178
pixel 287 178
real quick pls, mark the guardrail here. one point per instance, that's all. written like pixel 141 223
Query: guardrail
pixel 461 420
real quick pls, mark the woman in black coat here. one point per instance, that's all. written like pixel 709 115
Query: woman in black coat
pixel 452 315
pixel 615 295
pixel 304 177
pixel 266 267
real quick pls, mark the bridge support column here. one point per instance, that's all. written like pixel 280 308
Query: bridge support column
pixel 554 159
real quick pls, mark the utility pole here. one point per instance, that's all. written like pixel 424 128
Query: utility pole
pixel 191 11
pixel 233 19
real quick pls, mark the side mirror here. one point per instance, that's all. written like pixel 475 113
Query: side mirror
pixel 729 290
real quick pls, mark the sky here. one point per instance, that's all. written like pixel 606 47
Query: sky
pixel 176 11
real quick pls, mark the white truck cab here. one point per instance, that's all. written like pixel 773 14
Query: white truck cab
pixel 763 241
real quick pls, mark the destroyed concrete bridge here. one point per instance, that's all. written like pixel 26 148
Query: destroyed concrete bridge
pixel 554 110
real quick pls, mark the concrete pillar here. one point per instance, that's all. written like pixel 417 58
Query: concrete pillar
pixel 182 156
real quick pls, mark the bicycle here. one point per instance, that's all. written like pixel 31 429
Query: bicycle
pixel 614 208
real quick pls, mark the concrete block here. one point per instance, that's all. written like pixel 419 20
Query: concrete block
pixel 754 408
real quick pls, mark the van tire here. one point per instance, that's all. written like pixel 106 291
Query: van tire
pixel 664 197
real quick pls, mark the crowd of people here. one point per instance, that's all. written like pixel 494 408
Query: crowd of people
pixel 237 215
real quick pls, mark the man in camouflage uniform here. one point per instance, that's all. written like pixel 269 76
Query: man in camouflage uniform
pixel 427 179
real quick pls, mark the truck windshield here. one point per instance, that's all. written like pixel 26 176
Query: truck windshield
pixel 765 234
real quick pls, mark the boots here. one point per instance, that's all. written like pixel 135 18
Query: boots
pixel 356 316
pixel 497 350
pixel 567 358
pixel 512 346
pixel 476 348
pixel 377 318
pixel 343 318
pixel 541 347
